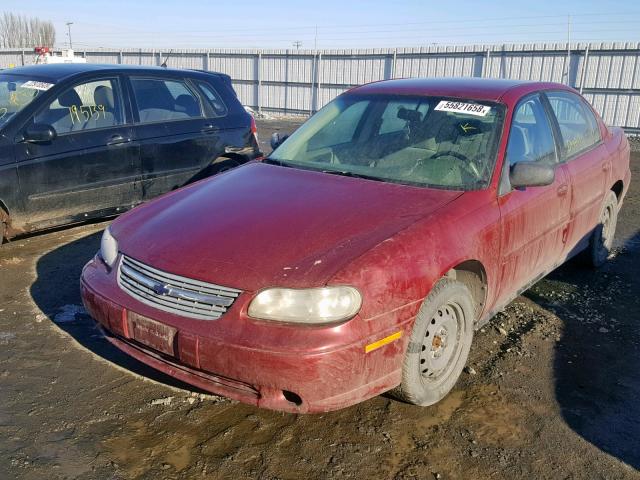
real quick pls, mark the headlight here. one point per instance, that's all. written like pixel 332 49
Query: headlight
pixel 306 306
pixel 108 248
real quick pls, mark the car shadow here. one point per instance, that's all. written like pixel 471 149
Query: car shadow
pixel 597 360
pixel 56 292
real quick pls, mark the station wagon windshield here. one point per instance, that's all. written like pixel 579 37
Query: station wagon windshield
pixel 426 141
pixel 16 92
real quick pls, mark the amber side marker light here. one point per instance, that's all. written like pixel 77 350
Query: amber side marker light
pixel 384 341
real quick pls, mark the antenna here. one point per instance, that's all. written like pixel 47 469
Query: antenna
pixel 297 44
pixel 164 63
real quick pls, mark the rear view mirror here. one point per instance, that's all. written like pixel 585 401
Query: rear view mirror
pixel 531 174
pixel 39 133
pixel 276 140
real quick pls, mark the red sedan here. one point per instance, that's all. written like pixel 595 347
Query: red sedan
pixel 364 252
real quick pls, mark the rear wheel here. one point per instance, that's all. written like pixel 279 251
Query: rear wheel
pixel 439 344
pixel 602 238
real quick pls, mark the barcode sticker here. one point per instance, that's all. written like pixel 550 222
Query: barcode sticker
pixel 461 107
pixel 37 85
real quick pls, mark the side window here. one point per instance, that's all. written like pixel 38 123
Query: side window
pixel 531 137
pixel 578 126
pixel 341 129
pixel 161 100
pixel 217 105
pixel 87 106
pixel 398 114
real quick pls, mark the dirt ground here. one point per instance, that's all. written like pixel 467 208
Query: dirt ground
pixel 553 389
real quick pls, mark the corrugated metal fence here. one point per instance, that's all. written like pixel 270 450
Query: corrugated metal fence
pixel 301 81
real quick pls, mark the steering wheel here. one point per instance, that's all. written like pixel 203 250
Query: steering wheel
pixel 466 164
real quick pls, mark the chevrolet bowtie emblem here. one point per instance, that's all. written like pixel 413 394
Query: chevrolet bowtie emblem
pixel 161 289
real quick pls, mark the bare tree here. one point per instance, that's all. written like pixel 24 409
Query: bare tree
pixel 20 31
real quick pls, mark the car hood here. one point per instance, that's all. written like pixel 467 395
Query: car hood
pixel 263 225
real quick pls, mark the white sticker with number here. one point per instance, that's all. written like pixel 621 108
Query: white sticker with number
pixel 461 107
pixel 37 85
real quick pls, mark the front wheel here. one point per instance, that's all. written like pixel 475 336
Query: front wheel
pixel 602 238
pixel 439 344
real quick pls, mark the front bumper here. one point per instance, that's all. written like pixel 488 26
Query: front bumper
pixel 211 356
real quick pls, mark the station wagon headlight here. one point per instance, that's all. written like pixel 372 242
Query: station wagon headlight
pixel 306 306
pixel 108 248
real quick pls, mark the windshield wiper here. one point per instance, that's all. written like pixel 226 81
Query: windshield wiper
pixel 348 173
pixel 273 161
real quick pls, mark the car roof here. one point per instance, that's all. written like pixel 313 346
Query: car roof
pixel 55 72
pixel 491 89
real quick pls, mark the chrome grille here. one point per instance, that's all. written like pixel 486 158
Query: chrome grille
pixel 173 293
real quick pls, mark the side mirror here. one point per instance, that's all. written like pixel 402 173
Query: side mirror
pixel 39 133
pixel 276 139
pixel 531 174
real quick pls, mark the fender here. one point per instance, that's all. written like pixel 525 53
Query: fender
pixel 466 229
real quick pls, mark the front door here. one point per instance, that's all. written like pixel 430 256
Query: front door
pixel 92 164
pixel 534 221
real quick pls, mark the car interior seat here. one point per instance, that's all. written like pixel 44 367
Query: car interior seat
pixel 103 96
pixel 60 117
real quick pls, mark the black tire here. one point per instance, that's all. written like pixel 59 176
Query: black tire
pixel 439 344
pixel 601 241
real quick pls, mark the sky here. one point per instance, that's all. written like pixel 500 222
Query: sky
pixel 164 24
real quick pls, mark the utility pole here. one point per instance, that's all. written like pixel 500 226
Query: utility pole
pixel 297 44
pixel 69 33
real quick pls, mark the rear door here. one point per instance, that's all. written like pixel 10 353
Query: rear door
pixel 535 219
pixel 177 140
pixel 90 166
pixel 587 161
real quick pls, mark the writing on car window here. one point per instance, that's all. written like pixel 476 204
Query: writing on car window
pixel 87 106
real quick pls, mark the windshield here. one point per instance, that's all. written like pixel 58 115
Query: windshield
pixel 16 92
pixel 426 141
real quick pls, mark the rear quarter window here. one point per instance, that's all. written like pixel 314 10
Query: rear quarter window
pixel 213 99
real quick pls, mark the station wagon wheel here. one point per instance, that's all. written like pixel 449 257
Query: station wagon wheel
pixel 604 233
pixel 439 345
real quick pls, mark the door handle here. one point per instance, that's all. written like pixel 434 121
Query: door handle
pixel 117 140
pixel 209 128
pixel 563 189
pixel 606 167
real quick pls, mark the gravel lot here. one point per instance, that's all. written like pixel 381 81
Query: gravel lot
pixel 553 389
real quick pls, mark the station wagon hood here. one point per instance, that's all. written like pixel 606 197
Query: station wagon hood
pixel 262 225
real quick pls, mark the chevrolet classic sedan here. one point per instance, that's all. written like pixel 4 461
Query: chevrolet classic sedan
pixel 363 253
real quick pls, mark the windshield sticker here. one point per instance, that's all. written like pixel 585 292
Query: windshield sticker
pixel 37 85
pixel 461 107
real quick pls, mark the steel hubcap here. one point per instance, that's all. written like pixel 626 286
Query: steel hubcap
pixel 441 342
